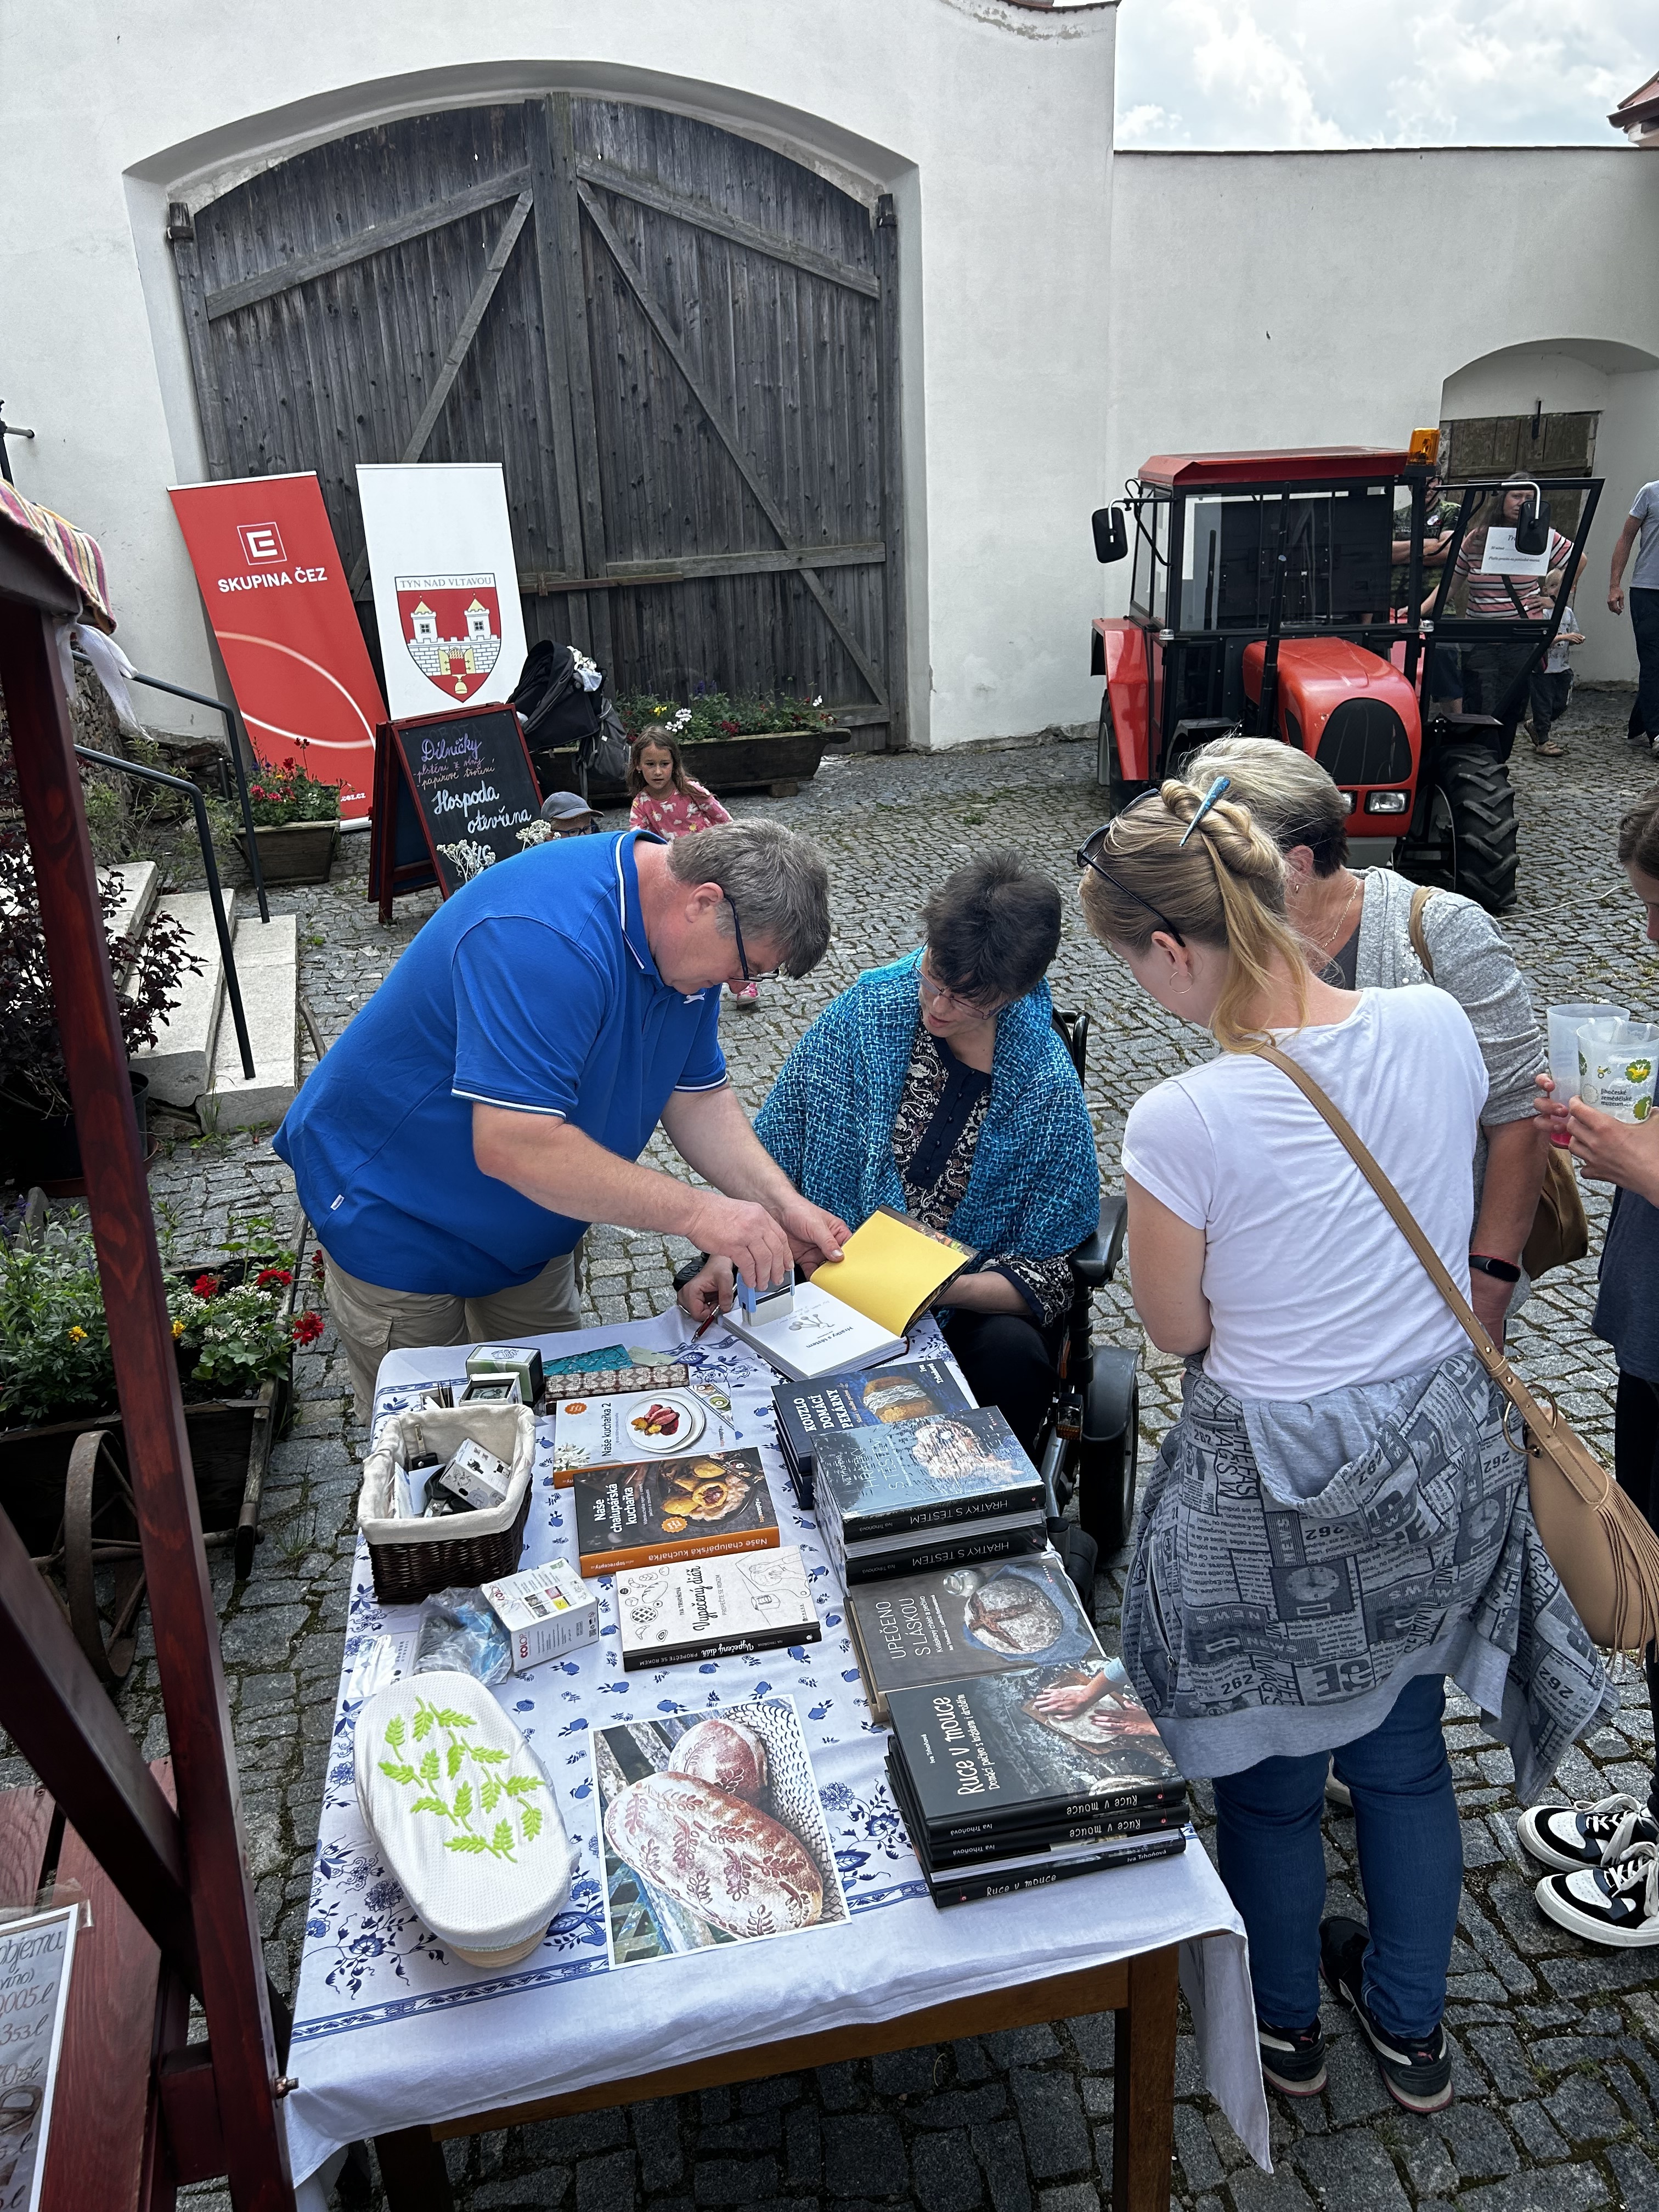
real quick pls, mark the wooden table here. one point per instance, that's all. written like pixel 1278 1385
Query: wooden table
pixel 1140 1991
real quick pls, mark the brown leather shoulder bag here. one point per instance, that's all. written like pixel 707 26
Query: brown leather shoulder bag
pixel 1598 1540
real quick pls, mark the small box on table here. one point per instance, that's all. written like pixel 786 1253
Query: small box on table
pixel 546 1611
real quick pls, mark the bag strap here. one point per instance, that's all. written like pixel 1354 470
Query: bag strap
pixel 1493 1360
pixel 1417 933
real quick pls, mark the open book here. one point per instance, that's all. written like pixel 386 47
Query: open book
pixel 856 1309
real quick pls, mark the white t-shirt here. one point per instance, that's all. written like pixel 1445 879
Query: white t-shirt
pixel 1310 1284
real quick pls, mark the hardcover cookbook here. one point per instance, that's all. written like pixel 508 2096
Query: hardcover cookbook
pixel 655 1511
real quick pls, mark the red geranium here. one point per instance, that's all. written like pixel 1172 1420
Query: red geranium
pixel 266 1276
pixel 206 1286
pixel 307 1328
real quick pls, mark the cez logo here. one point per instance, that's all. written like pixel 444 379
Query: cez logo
pixel 261 541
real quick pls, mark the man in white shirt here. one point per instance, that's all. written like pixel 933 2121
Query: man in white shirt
pixel 1643 519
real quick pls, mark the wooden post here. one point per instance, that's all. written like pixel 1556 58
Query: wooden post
pixel 147 1379
pixel 1142 2106
pixel 564 225
pixel 892 474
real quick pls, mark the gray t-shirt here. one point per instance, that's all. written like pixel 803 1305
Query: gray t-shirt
pixel 1644 509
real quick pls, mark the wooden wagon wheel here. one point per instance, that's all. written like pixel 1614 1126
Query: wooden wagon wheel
pixel 102 1530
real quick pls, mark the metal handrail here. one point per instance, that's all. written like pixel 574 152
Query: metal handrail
pixel 232 723
pixel 233 989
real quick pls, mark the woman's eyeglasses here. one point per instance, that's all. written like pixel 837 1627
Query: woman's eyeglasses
pixel 935 992
pixel 1085 859
pixel 749 976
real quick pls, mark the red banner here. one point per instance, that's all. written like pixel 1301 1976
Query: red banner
pixel 276 593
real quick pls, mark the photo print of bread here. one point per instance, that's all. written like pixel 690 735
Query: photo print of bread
pixel 713 1831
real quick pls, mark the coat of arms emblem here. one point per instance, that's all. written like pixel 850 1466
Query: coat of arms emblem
pixel 452 628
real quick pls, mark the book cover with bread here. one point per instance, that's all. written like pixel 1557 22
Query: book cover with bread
pixel 950 1624
pixel 895 1391
pixel 941 1471
pixel 648 1512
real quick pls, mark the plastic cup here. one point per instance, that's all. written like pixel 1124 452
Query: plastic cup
pixel 1564 1024
pixel 1618 1061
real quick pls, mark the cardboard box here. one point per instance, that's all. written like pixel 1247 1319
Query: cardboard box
pixel 546 1611
pixel 521 1359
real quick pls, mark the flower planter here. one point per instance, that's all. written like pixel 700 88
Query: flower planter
pixel 295 852
pixel 777 762
pixel 45 1149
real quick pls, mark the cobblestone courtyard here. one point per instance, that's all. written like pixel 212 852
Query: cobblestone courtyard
pixel 1557 2046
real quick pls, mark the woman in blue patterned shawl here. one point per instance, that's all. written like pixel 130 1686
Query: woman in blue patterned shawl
pixel 937 1086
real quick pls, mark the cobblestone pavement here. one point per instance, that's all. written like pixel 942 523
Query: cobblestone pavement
pixel 1557 2045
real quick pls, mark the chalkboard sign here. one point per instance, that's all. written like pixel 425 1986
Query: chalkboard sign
pixel 452 793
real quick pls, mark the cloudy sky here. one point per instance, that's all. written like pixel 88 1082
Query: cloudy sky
pixel 1278 73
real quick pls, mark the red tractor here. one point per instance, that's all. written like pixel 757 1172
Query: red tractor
pixel 1259 601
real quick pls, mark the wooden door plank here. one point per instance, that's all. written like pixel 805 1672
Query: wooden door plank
pixel 890 391
pixel 578 359
pixel 476 309
pixel 700 391
pixel 555 343
pixel 397 230
pixel 611 177
pixel 209 396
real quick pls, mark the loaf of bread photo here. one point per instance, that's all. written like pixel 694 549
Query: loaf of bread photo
pixel 725 1752
pixel 716 1855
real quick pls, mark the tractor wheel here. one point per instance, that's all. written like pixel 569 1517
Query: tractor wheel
pixel 1109 768
pixel 1468 839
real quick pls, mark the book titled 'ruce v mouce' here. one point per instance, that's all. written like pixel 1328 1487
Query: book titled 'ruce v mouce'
pixel 645 1514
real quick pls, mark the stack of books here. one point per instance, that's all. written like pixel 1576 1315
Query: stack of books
pixel 901 1391
pixel 910 1630
pixel 946 1490
pixel 1010 1782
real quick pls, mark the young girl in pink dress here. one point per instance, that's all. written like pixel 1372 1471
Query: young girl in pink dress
pixel 674 805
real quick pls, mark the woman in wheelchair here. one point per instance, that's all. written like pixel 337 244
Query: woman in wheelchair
pixel 939 1086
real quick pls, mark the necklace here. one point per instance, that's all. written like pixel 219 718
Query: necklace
pixel 1329 944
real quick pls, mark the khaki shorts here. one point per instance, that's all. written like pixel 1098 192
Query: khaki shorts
pixel 370 1322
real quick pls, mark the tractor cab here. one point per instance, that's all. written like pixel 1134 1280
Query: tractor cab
pixel 1282 594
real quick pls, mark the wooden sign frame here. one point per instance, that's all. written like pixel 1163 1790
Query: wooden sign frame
pixel 402 852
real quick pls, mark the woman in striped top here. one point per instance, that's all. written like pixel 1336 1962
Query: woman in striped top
pixel 1490 671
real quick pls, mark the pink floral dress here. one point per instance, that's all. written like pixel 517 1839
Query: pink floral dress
pixel 677 816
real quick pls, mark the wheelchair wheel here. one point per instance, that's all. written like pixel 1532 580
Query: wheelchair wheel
pixel 1080 1557
pixel 1106 1468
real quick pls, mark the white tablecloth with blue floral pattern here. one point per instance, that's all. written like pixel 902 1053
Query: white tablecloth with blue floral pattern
pixel 389 2033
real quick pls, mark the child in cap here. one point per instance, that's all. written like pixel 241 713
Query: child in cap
pixel 567 814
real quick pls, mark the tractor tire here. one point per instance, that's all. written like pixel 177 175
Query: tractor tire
pixel 1109 768
pixel 1468 841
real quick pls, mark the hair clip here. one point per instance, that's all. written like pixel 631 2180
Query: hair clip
pixel 1222 783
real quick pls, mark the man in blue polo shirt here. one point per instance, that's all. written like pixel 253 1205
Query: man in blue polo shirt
pixel 493 1098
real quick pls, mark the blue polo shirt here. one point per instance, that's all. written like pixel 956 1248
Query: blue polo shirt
pixel 533 987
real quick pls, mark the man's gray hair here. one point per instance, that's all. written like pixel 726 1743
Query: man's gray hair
pixel 1290 796
pixel 775 878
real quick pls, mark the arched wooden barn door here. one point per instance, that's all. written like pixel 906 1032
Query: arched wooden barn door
pixel 681 347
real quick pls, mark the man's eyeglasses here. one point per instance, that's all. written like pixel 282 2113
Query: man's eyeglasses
pixel 1085 859
pixel 749 976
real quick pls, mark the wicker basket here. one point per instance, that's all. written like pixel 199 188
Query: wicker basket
pixel 465 1549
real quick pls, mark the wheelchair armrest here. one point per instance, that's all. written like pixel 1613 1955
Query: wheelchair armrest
pixel 1094 1261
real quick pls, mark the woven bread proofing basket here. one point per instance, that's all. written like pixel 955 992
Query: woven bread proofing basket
pixel 465 1549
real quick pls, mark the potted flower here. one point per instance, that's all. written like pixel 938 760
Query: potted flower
pixel 234 1330
pixel 38 1141
pixel 296 821
pixel 729 745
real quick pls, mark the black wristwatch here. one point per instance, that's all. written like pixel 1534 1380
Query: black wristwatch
pixel 1501 1270
pixel 688 1268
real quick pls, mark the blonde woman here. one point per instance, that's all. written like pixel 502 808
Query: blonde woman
pixel 1335 1522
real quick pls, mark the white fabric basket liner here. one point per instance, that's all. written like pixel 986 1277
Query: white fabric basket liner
pixel 508 1432
pixel 503 1885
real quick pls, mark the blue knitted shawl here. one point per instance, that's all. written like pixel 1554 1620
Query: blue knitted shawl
pixel 1035 1188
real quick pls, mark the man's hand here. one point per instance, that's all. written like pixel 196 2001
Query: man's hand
pixel 710 1291
pixel 747 1235
pixel 1622 1152
pixel 814 1235
pixel 1616 600
pixel 1491 1301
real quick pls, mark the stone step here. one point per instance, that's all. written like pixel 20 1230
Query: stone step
pixel 137 885
pixel 179 1064
pixel 268 970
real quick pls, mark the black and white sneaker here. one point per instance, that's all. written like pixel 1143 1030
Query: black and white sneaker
pixel 1616 1905
pixel 1292 2058
pixel 1337 1791
pixel 1417 2074
pixel 1568 1837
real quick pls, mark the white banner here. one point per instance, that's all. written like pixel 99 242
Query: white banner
pixel 445 584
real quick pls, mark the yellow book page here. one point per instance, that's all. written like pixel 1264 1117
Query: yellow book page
pixel 890 1270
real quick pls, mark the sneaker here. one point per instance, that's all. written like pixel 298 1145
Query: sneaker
pixel 1337 1791
pixel 1568 1837
pixel 1417 2074
pixel 1617 1905
pixel 1292 2058
pixel 745 996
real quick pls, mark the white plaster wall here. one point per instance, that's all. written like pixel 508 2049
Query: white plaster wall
pixel 1330 299
pixel 990 122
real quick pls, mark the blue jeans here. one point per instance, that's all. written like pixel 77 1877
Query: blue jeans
pixel 1644 622
pixel 1411 1861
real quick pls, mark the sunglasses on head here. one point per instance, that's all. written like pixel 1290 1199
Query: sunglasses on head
pixel 1085 858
